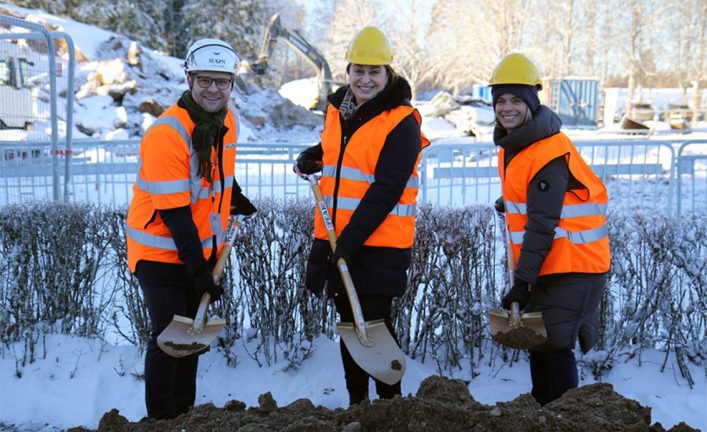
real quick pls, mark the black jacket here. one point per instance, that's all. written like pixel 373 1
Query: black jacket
pixel 546 191
pixel 374 270
pixel 568 301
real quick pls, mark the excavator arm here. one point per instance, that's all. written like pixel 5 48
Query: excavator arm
pixel 274 31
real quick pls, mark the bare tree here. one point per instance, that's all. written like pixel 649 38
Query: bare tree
pixel 569 8
pixel 411 59
pixel 453 52
pixel 509 18
pixel 643 17
pixel 466 43
pixel 692 18
pixel 350 16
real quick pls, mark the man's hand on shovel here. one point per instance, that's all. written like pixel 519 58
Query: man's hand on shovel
pixel 185 336
pixel 204 282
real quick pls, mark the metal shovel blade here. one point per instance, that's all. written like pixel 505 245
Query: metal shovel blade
pixel 383 360
pixel 181 339
pixel 525 331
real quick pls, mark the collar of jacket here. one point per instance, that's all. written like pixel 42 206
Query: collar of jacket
pixel 387 99
pixel 544 124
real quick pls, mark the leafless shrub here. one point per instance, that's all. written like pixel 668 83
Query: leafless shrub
pixel 53 254
pixel 453 274
pixel 63 269
pixel 655 291
pixel 128 317
pixel 271 250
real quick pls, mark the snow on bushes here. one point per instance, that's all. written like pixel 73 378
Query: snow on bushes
pixel 63 270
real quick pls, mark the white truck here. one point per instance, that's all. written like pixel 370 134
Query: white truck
pixel 15 94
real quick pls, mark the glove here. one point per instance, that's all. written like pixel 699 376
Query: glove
pixel 240 205
pixel 499 205
pixel 519 293
pixel 204 282
pixel 340 253
pixel 307 164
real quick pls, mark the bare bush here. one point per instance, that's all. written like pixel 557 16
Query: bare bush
pixel 453 274
pixel 271 251
pixel 656 277
pixel 53 254
pixel 128 317
pixel 63 270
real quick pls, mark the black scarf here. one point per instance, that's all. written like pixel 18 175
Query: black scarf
pixel 206 132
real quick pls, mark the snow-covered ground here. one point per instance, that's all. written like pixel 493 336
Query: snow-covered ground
pixel 79 380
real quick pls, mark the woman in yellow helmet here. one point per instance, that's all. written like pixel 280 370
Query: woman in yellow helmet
pixel 369 153
pixel 555 211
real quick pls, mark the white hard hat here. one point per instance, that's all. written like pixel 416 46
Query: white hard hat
pixel 211 55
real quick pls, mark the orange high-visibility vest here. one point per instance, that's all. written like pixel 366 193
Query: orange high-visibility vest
pixel 357 173
pixel 167 179
pixel 581 243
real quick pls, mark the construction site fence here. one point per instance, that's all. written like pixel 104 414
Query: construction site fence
pixel 36 73
pixel 640 174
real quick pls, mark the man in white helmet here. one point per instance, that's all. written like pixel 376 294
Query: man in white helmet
pixel 182 198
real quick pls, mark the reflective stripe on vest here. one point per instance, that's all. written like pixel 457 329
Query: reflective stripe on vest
pixel 345 203
pixel 578 237
pixel 568 211
pixel 356 173
pixel 147 236
pixel 176 186
pixel 167 243
pixel 581 237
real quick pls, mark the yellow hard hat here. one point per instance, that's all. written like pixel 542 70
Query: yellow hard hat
pixel 516 69
pixel 369 47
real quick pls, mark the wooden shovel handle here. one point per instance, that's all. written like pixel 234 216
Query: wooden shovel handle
pixel 233 224
pixel 200 318
pixel 359 322
pixel 510 260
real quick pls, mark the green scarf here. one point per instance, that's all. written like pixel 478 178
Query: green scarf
pixel 206 132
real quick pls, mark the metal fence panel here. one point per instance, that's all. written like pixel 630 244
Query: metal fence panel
pixel 691 177
pixel 32 77
pixel 639 174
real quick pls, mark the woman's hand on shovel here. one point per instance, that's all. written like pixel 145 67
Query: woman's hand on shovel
pixel 340 253
pixel 519 293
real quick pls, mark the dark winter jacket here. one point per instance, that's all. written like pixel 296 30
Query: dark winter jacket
pixel 568 301
pixel 374 270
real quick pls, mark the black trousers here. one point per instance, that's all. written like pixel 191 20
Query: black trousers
pixel 552 374
pixel 373 307
pixel 170 383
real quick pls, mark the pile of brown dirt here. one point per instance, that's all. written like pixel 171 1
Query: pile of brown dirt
pixel 441 404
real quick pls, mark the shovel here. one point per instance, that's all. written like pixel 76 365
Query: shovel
pixel 185 336
pixel 370 343
pixel 513 328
